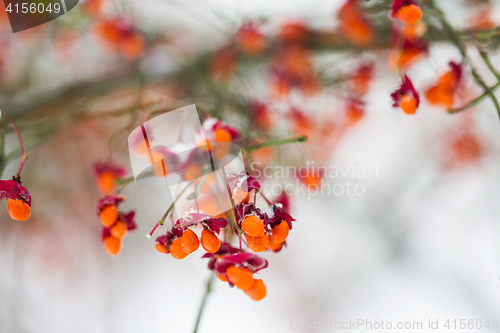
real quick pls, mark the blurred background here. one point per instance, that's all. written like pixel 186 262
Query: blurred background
pixel 421 243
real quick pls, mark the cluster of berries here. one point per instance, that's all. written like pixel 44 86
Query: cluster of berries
pixel 260 230
pixel 408 14
pixel 115 224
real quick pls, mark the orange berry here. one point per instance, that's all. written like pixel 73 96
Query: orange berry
pixel 253 226
pixel 118 230
pixel 112 245
pixel 18 209
pixel 272 245
pixel 354 113
pixel 176 250
pixel 409 14
pixel 439 96
pixel 190 241
pixel 106 182
pixel 408 104
pixel 109 215
pixel 222 135
pixel 209 241
pixel 222 146
pixel 258 291
pixel 257 244
pixel 192 172
pixel 132 47
pixel 280 232
pixel 240 277
pixel 161 248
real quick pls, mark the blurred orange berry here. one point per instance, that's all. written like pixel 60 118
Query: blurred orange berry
pixel 466 148
pixel 222 65
pixel 109 215
pixel 132 46
pixel 250 40
pixel 409 14
pixel 354 26
pixel 118 230
pixel 443 92
pixel 409 104
pixel 120 35
pixel 193 171
pixel 414 31
pixel 106 182
pixel 93 7
pixel 354 112
pixel 294 32
pixel 112 245
pixel 362 78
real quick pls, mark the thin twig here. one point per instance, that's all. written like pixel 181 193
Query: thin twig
pixel 208 289
pixel 475 101
pixel 493 70
pixel 488 63
pixel 300 138
pixel 21 144
pixel 172 205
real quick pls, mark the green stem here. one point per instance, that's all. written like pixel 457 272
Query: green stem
pixel 475 101
pixel 173 203
pixel 164 217
pixel 493 70
pixel 208 289
pixel 300 138
pixel 229 195
pixel 488 63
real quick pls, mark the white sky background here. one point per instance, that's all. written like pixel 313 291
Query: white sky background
pixel 422 243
